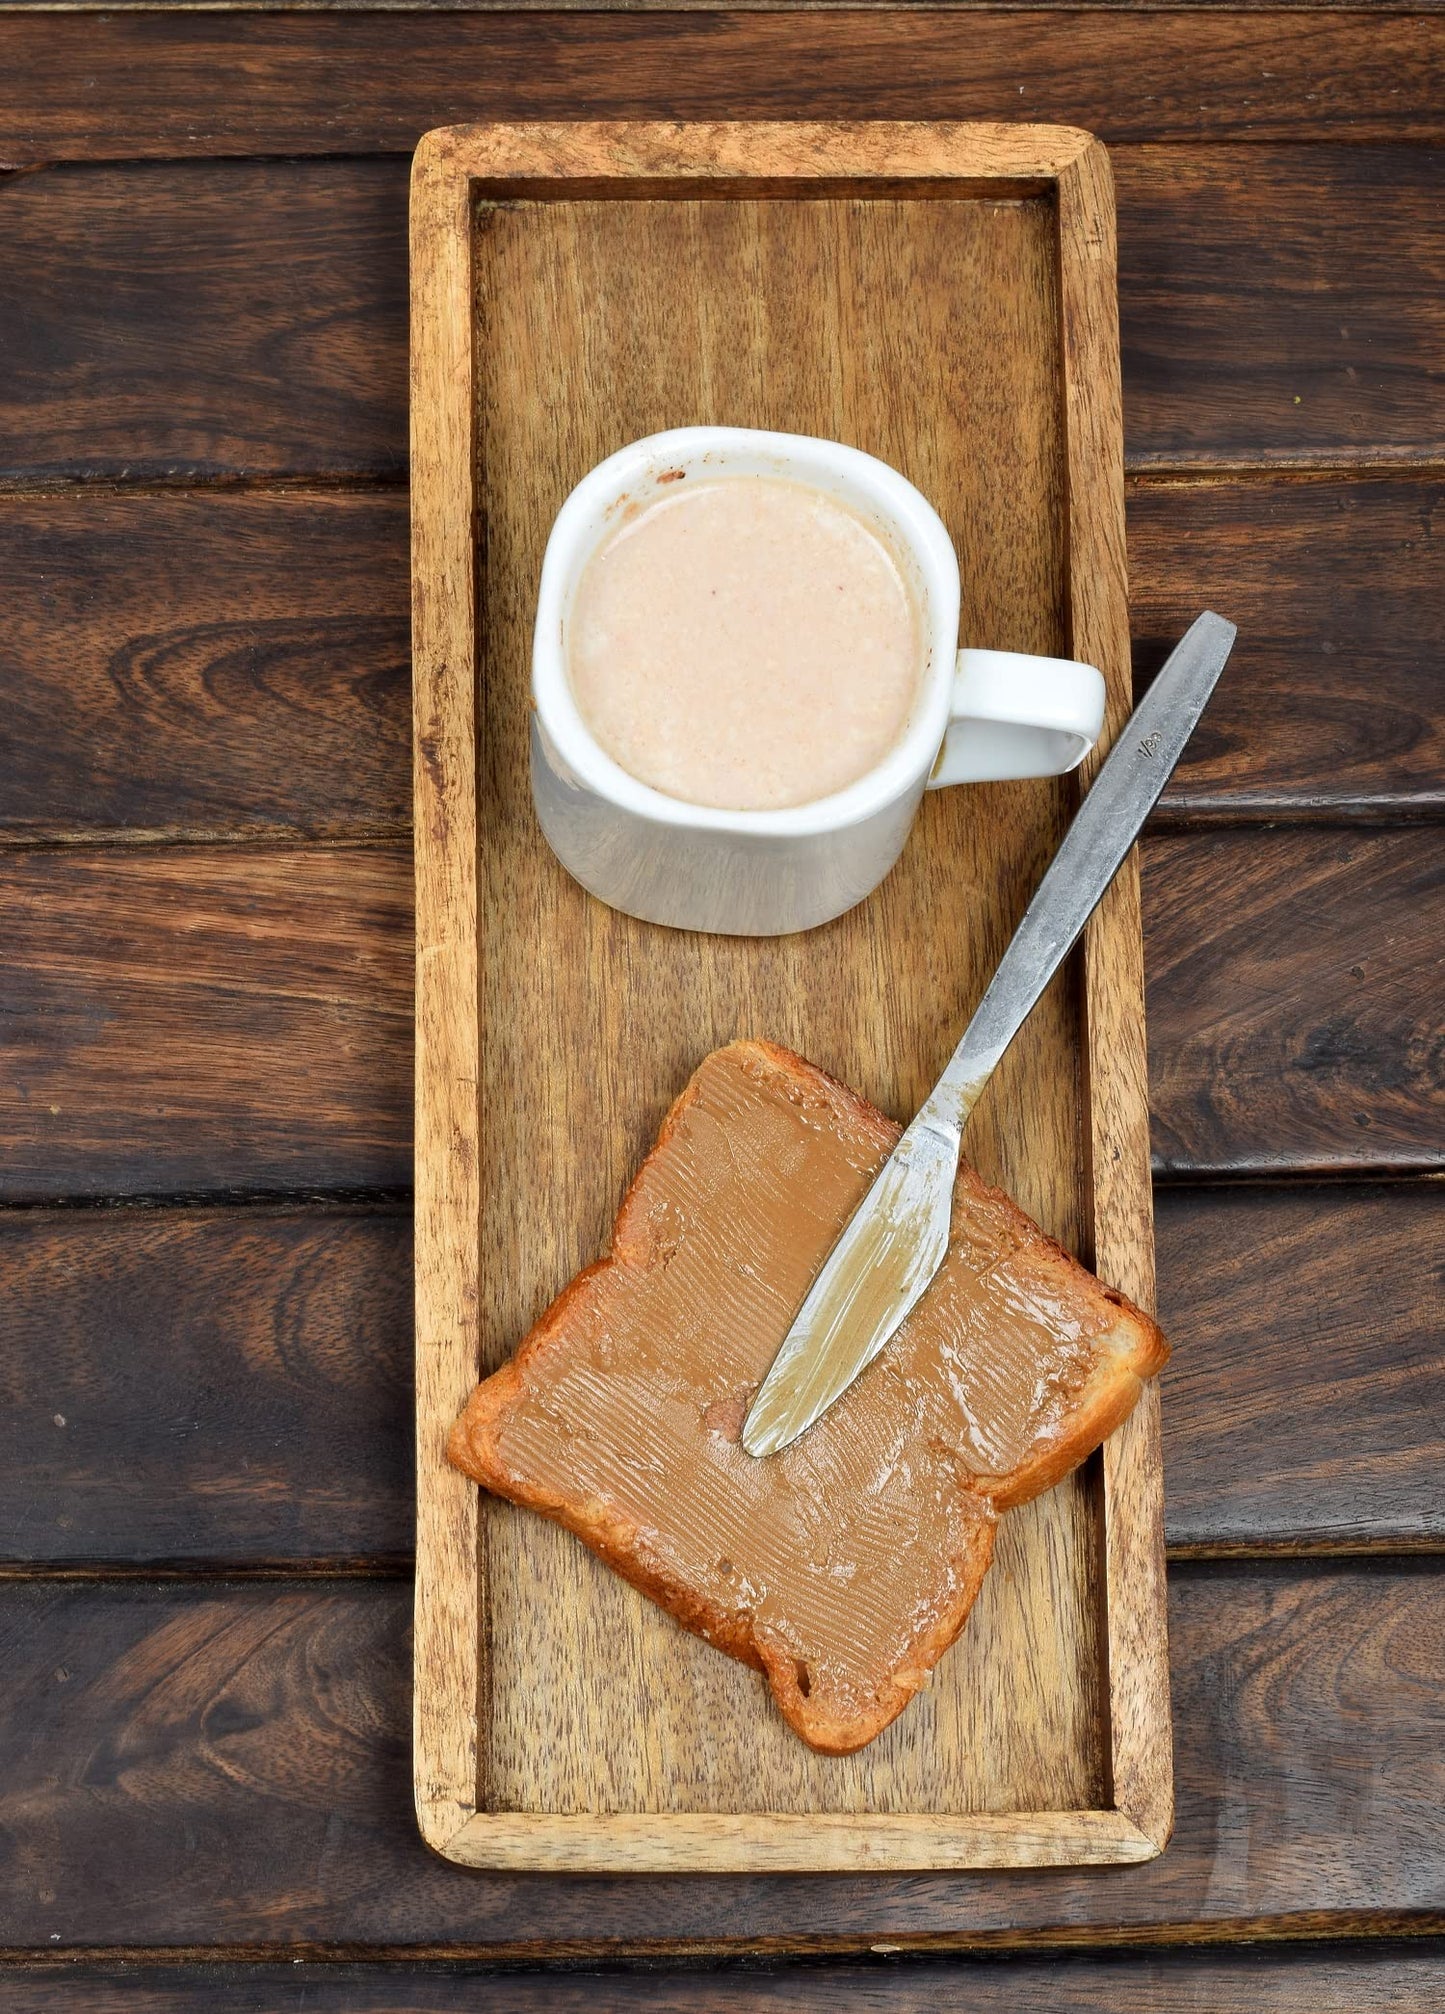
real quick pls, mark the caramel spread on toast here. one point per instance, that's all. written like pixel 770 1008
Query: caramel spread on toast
pixel 844 1566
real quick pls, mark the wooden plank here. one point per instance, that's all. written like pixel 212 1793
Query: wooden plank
pixel 235 1384
pixel 193 1386
pixel 219 1020
pixel 1301 1406
pixel 689 6
pixel 1311 345
pixel 192 1767
pixel 205 1020
pixel 205 663
pixel 1354 1979
pixel 1330 704
pixel 217 661
pixel 1294 986
pixel 208 320
pixel 330 83
pixel 1262 291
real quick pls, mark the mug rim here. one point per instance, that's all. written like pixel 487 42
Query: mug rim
pixel 581 523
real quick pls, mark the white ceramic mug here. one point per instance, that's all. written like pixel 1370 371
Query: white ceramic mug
pixel 980 715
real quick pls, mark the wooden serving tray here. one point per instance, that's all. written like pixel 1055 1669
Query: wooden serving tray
pixel 944 297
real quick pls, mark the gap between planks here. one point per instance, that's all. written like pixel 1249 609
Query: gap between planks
pixel 212 1573
pixel 267 839
pixel 1138 473
pixel 400 1202
pixel 212 1202
pixel 259 837
pixel 1393 1554
pixel 1320 1928
pixel 303 483
pixel 1379 814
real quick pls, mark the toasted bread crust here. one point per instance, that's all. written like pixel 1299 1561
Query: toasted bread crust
pixel 1132 1350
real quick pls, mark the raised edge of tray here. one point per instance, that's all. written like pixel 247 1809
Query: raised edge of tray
pixel 762 158
pixel 794 1843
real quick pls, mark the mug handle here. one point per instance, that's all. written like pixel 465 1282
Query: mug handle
pixel 1014 715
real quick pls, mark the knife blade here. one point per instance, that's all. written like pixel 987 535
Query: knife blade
pixel 896 1240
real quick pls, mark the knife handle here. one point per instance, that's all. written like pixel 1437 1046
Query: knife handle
pixel 1106 825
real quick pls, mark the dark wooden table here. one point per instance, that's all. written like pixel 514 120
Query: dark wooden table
pixel 205 999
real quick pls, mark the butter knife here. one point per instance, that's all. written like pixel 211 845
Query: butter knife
pixel 897 1238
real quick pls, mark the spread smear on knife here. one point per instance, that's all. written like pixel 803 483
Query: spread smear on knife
pixel 844 1566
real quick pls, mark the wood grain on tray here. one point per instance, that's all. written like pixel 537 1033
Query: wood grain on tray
pixel 704 309
pixel 843 1567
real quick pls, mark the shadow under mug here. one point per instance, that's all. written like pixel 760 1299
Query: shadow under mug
pixel 981 715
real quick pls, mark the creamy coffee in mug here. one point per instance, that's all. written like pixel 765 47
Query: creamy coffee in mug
pixel 745 642
pixel 746 672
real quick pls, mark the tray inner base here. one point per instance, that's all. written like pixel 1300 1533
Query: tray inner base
pixel 925 331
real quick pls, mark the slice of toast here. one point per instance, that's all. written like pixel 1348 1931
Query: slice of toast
pixel 844 1566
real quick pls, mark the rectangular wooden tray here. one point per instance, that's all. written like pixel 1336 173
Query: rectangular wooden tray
pixel 943 296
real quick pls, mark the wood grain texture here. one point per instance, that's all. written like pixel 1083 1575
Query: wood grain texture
pixel 152 323
pixel 1330 704
pixel 1294 988
pixel 1279 303
pixel 673 6
pixel 204 663
pixel 319 83
pixel 191 1386
pixel 1317 1312
pixel 1394 396
pixel 1112 1049
pixel 598 321
pixel 214 1020
pixel 1355 1979
pixel 1321 344
pixel 212 661
pixel 231 1766
pixel 451 1534
pixel 205 1020
pixel 795 1842
pixel 236 1386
